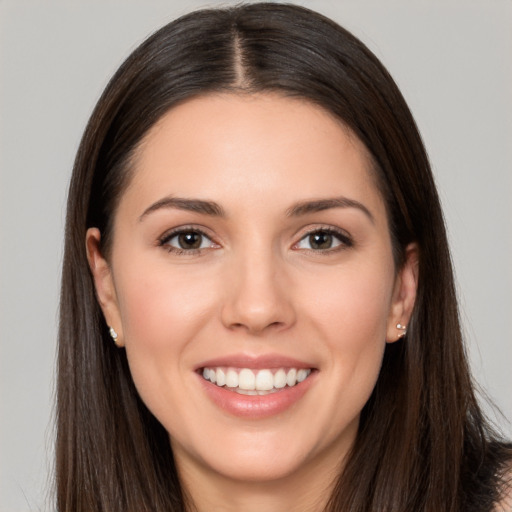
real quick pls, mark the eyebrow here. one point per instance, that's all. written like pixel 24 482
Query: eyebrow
pixel 191 205
pixel 305 207
pixel 215 210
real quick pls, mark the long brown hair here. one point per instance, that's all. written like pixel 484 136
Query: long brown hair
pixel 423 443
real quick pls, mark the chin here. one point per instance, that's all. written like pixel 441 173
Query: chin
pixel 257 469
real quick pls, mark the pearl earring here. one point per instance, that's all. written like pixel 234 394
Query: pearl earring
pixel 113 334
pixel 402 328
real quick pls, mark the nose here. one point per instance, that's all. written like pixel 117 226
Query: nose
pixel 259 296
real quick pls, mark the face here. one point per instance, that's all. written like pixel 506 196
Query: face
pixel 251 248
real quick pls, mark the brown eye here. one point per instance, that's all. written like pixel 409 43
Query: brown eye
pixel 320 240
pixel 324 240
pixel 190 240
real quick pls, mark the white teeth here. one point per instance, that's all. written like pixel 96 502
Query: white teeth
pixel 246 391
pixel 301 375
pixel 291 377
pixel 280 379
pixel 264 380
pixel 232 379
pixel 221 377
pixel 255 382
pixel 246 379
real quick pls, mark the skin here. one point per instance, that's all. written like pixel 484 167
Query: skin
pixel 257 286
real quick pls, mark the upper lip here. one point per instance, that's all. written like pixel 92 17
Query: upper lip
pixel 254 362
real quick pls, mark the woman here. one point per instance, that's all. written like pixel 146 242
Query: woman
pixel 258 310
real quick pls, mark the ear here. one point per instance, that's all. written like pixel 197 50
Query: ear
pixel 404 295
pixel 104 283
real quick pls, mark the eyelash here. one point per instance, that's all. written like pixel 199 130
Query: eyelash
pixel 345 241
pixel 167 237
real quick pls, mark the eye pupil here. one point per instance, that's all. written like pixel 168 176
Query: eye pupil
pixel 320 240
pixel 190 240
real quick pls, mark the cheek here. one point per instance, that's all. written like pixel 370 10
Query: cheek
pixel 352 320
pixel 353 303
pixel 160 305
pixel 352 316
pixel 162 312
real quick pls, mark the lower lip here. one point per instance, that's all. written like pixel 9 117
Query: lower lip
pixel 256 406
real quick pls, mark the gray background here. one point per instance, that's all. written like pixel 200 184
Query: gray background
pixel 453 62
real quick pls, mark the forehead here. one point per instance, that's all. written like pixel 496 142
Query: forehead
pixel 239 148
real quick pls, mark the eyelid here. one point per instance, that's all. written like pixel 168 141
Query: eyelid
pixel 342 236
pixel 163 240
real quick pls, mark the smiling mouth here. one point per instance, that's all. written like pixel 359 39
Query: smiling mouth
pixel 247 381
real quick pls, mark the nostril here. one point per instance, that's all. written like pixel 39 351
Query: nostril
pixel 256 328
